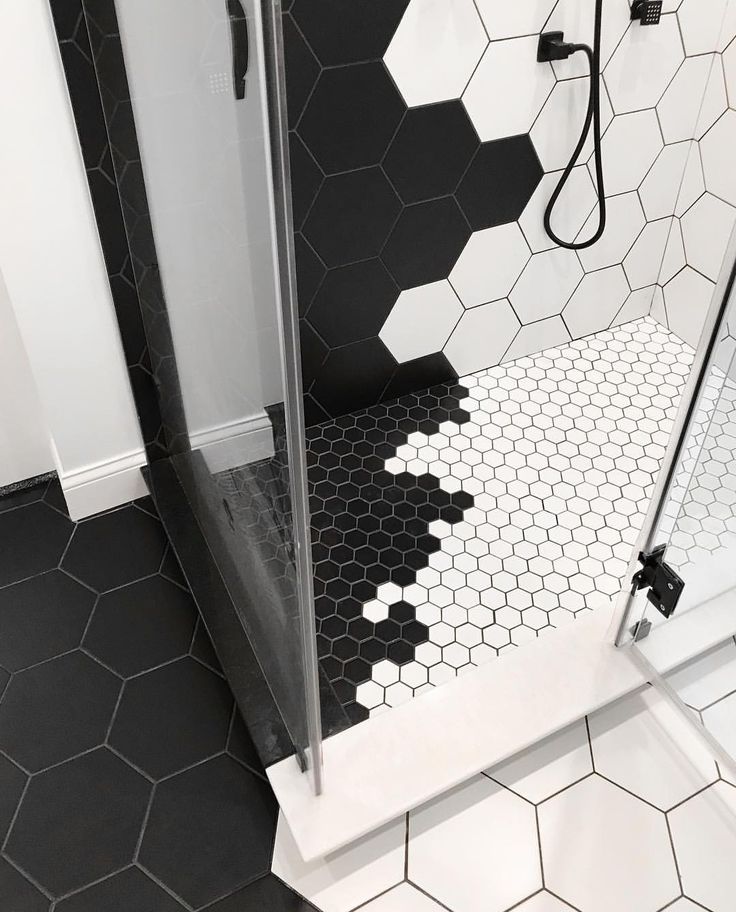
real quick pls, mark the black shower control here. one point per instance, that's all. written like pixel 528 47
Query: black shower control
pixel 648 12
pixel 552 46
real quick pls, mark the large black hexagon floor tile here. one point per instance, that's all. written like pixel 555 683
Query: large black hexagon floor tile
pixel 17 894
pixel 12 783
pixel 209 831
pixel 79 821
pixel 129 891
pixel 116 548
pixel 172 717
pixel 34 538
pixel 69 700
pixel 267 894
pixel 141 626
pixel 42 617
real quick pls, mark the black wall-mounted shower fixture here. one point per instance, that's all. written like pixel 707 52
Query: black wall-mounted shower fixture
pixel 648 12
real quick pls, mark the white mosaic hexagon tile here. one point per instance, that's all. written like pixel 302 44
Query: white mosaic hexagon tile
pixel 625 811
pixel 559 454
pixel 668 142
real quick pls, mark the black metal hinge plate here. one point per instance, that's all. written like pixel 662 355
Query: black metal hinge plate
pixel 664 585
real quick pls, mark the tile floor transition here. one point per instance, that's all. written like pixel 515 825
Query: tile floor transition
pixel 622 812
pixel 128 782
pixel 453 525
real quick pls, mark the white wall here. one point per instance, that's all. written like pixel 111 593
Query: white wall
pixel 25 447
pixel 51 258
pixel 205 159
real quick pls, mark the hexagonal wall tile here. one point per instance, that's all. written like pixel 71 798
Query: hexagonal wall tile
pixel 475 848
pixel 630 146
pixel 644 745
pixel 535 337
pixel 421 321
pixel 686 298
pixel 506 20
pixel 643 65
pixel 558 271
pixel 481 337
pixel 490 264
pixel 716 147
pixel 706 230
pixel 543 902
pixel 435 49
pixel 705 842
pixel 706 29
pixel 571 210
pixel 507 90
pixel 674 182
pixel 637 869
pixel 576 20
pixel 643 262
pixel 695 99
pixel 624 221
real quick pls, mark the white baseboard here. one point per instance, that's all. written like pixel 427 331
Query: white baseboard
pixel 241 442
pixel 104 485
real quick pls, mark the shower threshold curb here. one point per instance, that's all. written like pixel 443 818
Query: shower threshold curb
pixel 376 771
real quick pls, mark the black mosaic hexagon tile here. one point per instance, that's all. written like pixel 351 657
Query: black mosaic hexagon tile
pixel 79 767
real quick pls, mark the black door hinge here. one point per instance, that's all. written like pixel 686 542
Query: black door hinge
pixel 665 586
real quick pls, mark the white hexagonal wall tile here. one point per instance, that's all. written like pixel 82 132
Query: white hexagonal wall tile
pixel 557 129
pixel 548 766
pixel 535 337
pixel 707 679
pixel 624 222
pixel 546 284
pixel 508 88
pixel 481 337
pixel 605 850
pixel 475 849
pixel 687 298
pixel 596 301
pixel 729 71
pixel 404 898
pixel 706 231
pixel 346 878
pixel 704 836
pixel 695 99
pixel 684 905
pixel 435 50
pixel 637 305
pixel 716 148
pixel 643 263
pixel 571 209
pixel 576 20
pixel 675 180
pixel 511 20
pixel 643 744
pixel 421 321
pixel 674 254
pixel 707 26
pixel 490 264
pixel 643 65
pixel 630 146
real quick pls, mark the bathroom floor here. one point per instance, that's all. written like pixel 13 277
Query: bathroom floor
pixel 453 525
pixel 128 782
pixel 623 812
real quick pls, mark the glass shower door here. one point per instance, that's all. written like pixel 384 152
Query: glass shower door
pixel 680 617
pixel 193 105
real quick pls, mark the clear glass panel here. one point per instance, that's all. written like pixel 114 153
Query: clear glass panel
pixel 194 165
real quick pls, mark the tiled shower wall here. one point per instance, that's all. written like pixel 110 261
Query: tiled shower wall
pixel 426 141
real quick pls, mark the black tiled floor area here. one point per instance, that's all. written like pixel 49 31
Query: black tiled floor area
pixel 128 782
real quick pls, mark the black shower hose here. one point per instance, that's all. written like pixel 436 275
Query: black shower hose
pixel 593 115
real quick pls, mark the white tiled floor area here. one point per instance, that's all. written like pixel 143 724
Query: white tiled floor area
pixel 622 812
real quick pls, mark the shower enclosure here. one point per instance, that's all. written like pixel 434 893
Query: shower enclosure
pixel 395 433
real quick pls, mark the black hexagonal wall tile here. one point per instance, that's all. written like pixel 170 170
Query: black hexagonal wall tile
pixel 70 700
pixel 303 69
pixel 354 374
pixel 209 831
pixel 142 625
pixel 12 783
pixel 41 618
pixel 67 15
pixel 352 216
pixel 79 821
pixel 499 182
pixel 426 242
pixel 268 894
pixel 348 33
pixel 309 272
pixel 418 374
pixel 129 891
pixel 353 302
pixel 240 745
pixel 431 151
pixel 17 893
pixel 172 717
pixel 313 352
pixel 351 116
pixel 203 650
pixel 116 548
pixel 306 178
pixel 34 539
